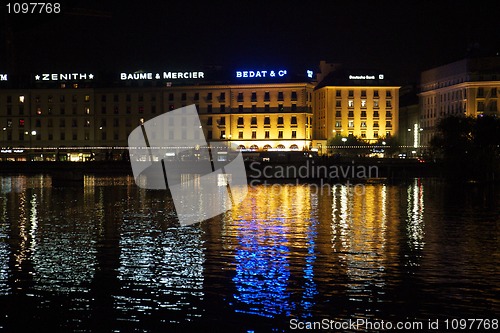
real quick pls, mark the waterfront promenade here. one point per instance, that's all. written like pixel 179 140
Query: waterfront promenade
pixel 318 168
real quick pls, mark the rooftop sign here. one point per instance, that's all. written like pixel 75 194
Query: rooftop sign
pixel 261 73
pixel 3 77
pixel 162 75
pixel 64 76
pixel 365 77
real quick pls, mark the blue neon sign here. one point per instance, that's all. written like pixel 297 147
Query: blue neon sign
pixel 261 73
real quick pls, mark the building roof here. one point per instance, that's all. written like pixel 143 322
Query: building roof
pixel 344 76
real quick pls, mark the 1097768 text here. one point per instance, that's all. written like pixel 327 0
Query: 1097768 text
pixel 33 8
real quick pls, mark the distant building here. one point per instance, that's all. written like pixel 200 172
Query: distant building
pixel 468 87
pixel 74 117
pixel 409 121
pixel 357 103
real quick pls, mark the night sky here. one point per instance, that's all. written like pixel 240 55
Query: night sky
pixel 399 38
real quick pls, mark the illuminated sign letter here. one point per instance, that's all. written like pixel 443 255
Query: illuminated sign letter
pixel 3 77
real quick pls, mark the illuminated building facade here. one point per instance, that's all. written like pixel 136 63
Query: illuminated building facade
pixel 62 119
pixel 363 105
pixel 468 87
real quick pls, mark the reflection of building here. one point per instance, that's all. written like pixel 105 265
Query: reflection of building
pixel 362 104
pixel 466 87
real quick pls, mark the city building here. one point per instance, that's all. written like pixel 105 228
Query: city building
pixel 468 87
pixel 74 116
pixel 409 121
pixel 364 104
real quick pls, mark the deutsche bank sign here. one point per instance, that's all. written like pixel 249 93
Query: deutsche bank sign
pixel 170 152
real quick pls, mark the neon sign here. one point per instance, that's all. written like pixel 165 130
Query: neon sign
pixel 365 77
pixel 64 76
pixel 261 74
pixel 3 77
pixel 164 75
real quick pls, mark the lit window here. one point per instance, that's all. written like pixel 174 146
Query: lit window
pixel 350 103
pixel 21 99
pixel 363 103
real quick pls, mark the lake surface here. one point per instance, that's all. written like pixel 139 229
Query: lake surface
pixel 107 256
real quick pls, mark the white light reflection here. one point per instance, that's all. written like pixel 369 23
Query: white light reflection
pixel 359 223
pixel 159 269
pixel 4 246
pixel 415 219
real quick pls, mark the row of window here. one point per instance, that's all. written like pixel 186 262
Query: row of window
pixel 254 136
pixel 363 103
pixel 388 93
pixel 350 114
pixel 363 124
pixel 458 95
pixel 50 99
pixel 141 109
pixel 350 93
pixel 280 95
pixel 22 136
pixel 74 123
pixel 375 134
pixel 253 121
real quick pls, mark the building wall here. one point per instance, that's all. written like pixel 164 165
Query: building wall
pixel 369 113
pixel 468 87
pixel 258 115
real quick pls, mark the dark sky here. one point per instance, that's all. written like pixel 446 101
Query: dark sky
pixel 400 38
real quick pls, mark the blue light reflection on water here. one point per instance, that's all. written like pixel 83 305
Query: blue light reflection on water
pixel 262 278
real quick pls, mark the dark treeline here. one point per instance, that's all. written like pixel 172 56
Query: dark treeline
pixel 469 147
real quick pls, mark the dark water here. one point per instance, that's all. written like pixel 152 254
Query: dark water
pixel 110 257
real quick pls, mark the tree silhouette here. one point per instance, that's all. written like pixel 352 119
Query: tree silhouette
pixel 469 147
